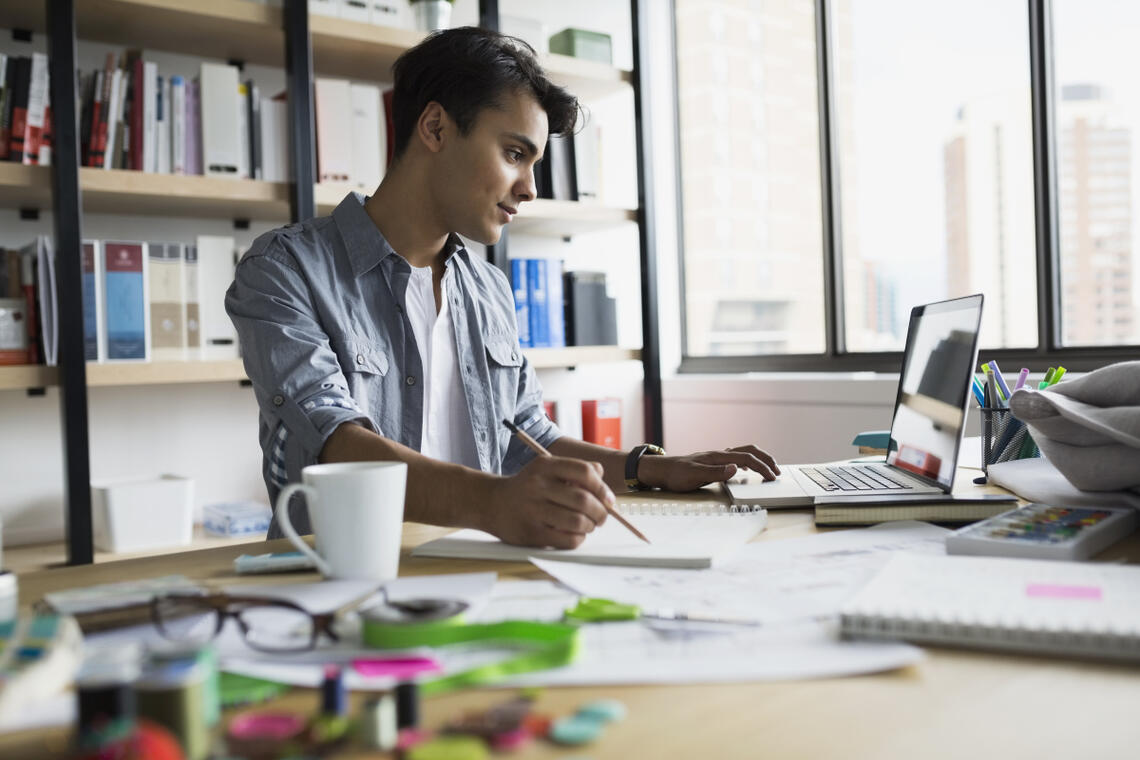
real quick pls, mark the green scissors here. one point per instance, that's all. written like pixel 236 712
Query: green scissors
pixel 596 610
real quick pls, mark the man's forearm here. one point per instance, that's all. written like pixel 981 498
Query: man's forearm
pixel 613 462
pixel 438 493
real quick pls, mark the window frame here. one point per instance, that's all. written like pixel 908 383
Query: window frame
pixel 836 357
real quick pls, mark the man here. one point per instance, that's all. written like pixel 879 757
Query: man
pixel 373 334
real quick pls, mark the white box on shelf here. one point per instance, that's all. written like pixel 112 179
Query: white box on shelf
pixel 529 30
pixel 236 518
pixel 142 513
pixel 354 10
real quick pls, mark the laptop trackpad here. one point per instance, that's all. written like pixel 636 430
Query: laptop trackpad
pixel 784 491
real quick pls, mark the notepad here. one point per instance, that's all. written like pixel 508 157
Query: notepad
pixel 681 535
pixel 1062 608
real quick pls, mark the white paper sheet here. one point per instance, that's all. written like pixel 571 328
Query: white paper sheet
pixel 636 653
pixel 766 581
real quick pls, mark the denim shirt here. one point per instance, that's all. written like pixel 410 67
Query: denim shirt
pixel 319 310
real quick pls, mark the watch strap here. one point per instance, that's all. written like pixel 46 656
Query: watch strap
pixel 634 459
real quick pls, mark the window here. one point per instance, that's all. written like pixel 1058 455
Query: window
pixel 804 250
pixel 747 94
pixel 1098 110
pixel 935 143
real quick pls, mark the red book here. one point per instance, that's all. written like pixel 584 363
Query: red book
pixel 601 422
pixel 551 409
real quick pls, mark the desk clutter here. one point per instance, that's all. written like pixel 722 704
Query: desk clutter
pixel 175 668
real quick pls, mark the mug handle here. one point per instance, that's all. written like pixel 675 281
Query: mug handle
pixel 287 527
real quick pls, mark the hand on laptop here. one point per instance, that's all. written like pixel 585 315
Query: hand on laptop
pixel 687 473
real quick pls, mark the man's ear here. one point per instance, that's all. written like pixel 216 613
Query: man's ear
pixel 433 126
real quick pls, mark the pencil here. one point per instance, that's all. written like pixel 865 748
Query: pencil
pixel 538 448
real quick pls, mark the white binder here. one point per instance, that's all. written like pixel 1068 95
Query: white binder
pixel 369 141
pixel 215 274
pixel 221 138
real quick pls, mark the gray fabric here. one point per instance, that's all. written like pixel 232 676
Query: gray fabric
pixel 319 310
pixel 1089 427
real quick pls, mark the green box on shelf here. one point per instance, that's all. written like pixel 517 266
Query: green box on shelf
pixel 580 43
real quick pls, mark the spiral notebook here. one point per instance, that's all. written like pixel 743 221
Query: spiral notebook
pixel 1063 608
pixel 681 535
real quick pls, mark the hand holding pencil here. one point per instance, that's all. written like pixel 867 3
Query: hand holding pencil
pixel 542 452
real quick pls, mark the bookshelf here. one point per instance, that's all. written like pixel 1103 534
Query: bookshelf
pixel 257 33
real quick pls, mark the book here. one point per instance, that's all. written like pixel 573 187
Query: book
pixel 221 140
pixel 124 296
pixel 334 130
pixel 588 162
pixel 46 299
pixel 193 321
pixel 245 148
pixel 215 273
pixel 163 123
pixel 253 123
pixel 522 302
pixel 18 119
pixel 193 131
pixel 1063 608
pixel 555 317
pixel 150 117
pixel 36 108
pixel 167 307
pixel 94 346
pixel 5 102
pixel 936 507
pixel 177 125
pixel 555 177
pixel 681 535
pixel 590 314
pixel 539 304
pixel 274 139
pixel 601 422
pixel 367 136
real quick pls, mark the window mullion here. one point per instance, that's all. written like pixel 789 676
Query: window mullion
pixel 835 335
pixel 1045 175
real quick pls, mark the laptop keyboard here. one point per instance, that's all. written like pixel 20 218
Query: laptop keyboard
pixel 853 478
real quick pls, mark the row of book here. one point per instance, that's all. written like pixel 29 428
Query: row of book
pixel 25 111
pixel 158 301
pixel 27 304
pixel 555 309
pixel 133 117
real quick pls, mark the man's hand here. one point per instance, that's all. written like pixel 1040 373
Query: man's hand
pixel 553 501
pixel 690 472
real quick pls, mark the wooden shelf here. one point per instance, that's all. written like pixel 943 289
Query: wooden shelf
pixel 328 195
pixel 127 373
pixel 118 191
pixel 352 50
pixel 111 374
pixel 224 29
pixel 568 218
pixel 254 33
pixel 572 356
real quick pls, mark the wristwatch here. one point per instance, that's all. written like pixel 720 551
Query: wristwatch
pixel 632 461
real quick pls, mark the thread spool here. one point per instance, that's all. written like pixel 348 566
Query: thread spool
pixel 378 725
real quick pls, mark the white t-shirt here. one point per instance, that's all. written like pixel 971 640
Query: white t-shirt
pixel 447 432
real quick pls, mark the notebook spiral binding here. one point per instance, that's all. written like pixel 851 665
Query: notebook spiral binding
pixel 682 509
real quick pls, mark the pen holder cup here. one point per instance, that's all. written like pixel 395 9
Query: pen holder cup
pixel 1004 437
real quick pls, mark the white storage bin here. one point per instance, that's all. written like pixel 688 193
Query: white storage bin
pixel 142 513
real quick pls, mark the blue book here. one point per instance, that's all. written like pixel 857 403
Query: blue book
pixel 90 305
pixel 124 300
pixel 536 270
pixel 555 319
pixel 522 302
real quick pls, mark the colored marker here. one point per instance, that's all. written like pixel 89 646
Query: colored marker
pixel 1021 378
pixel 1057 375
pixel 1048 378
pixel 976 387
pixel 1000 381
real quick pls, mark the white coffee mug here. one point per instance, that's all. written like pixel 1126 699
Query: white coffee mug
pixel 357 513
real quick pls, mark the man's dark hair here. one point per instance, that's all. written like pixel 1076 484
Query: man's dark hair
pixel 466 70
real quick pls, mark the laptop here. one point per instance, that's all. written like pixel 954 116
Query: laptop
pixel 926 431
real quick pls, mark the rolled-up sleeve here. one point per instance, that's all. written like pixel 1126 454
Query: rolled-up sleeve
pixel 301 391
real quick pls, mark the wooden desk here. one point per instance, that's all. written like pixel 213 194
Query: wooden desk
pixel 955 704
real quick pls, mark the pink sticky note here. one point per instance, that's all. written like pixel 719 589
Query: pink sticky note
pixel 1058 591
pixel 400 668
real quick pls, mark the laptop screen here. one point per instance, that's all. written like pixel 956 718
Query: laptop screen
pixel 930 410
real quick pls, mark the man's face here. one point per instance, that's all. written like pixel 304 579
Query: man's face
pixel 485 175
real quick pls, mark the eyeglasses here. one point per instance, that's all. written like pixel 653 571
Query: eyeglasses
pixel 267 624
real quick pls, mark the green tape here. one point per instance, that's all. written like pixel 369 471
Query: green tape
pixel 547 645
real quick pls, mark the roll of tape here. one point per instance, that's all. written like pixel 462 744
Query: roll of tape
pixel 441 622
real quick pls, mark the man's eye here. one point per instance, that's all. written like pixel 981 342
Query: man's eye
pixel 515 155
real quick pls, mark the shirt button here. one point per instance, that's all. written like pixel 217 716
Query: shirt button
pixel 410 380
pixel 360 358
pixel 278 400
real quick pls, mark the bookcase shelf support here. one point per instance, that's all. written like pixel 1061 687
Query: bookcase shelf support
pixel 299 81
pixel 68 221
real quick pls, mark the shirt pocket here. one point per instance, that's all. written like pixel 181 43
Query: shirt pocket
pixel 504 363
pixel 361 363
